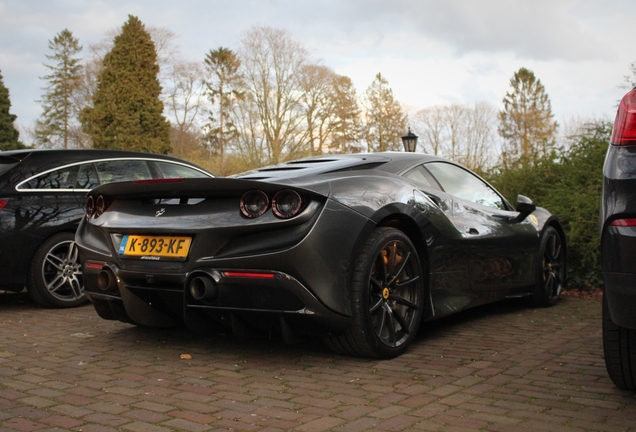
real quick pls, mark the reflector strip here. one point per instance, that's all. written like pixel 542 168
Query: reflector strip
pixel 94 265
pixel 3 203
pixel 624 222
pixel 251 275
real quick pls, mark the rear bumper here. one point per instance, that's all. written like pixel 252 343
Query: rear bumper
pixel 169 299
pixel 620 289
pixel 619 272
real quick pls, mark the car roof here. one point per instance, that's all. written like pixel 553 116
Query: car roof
pixel 50 158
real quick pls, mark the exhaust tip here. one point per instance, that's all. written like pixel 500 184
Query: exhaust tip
pixel 106 280
pixel 203 288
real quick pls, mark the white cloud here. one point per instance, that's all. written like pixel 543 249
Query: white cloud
pixel 431 51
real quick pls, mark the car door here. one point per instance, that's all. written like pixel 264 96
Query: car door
pixel 448 261
pixel 497 246
pixel 49 201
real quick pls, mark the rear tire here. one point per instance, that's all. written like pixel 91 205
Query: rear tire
pixel 619 347
pixel 55 279
pixel 387 293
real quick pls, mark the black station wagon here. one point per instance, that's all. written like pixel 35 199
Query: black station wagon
pixel 42 198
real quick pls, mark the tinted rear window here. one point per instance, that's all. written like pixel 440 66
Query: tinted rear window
pixel 122 170
pixel 173 170
pixel 59 179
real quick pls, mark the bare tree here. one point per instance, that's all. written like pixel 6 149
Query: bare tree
pixel 481 140
pixel 316 82
pixel 465 134
pixel 629 81
pixel 184 102
pixel 271 65
pixel 430 124
pixel 251 147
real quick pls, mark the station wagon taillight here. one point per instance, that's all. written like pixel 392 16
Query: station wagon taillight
pixel 625 124
pixel 624 222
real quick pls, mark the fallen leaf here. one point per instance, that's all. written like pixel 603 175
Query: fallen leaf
pixel 186 356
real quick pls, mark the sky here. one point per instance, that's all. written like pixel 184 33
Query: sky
pixel 431 51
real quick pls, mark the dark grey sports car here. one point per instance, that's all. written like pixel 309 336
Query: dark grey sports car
pixel 359 249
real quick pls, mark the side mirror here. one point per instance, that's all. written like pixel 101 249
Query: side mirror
pixel 525 206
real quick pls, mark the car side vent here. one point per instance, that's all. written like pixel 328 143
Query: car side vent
pixel 311 161
pixel 279 168
pixel 367 166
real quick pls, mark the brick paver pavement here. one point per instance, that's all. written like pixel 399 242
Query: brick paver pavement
pixel 503 367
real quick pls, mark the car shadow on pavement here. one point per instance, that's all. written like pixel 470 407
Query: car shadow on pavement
pixel 10 300
pixel 260 343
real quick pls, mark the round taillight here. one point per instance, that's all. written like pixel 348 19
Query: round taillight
pixel 90 207
pixel 254 203
pixel 100 206
pixel 286 204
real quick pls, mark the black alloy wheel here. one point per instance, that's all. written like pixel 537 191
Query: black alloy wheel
pixel 551 271
pixel 56 278
pixel 387 297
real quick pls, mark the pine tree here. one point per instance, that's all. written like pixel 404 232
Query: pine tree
pixel 9 135
pixel 58 126
pixel 526 123
pixel 223 91
pixel 385 121
pixel 348 128
pixel 127 112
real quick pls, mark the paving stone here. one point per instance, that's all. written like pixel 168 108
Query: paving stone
pixel 502 367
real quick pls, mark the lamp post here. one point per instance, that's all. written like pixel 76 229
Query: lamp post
pixel 410 141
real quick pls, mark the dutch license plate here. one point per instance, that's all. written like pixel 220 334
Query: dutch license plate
pixel 155 246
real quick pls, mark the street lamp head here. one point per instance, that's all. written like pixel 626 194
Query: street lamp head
pixel 410 141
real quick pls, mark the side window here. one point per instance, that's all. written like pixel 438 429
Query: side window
pixel 87 177
pixel 422 176
pixel 122 170
pixel 173 170
pixel 63 178
pixel 465 185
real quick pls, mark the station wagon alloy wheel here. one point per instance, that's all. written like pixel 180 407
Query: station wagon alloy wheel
pixel 56 275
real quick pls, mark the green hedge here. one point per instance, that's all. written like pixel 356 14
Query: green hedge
pixel 568 184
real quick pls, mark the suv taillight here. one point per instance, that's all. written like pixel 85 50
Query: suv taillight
pixel 625 125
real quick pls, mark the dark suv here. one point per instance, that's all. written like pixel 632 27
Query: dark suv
pixel 42 200
pixel 618 247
